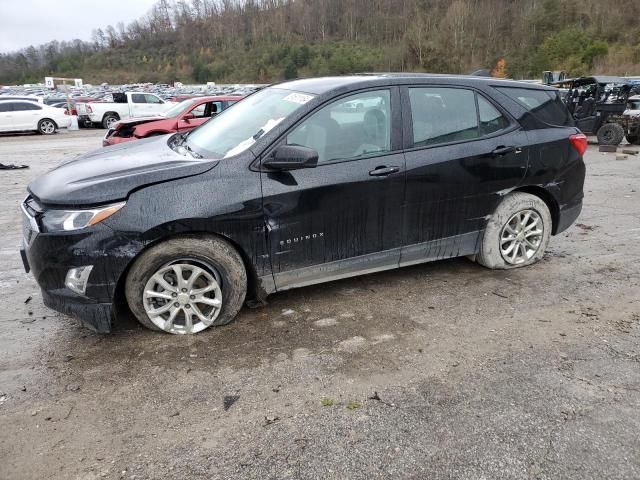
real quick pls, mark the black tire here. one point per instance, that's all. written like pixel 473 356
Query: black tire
pixel 490 254
pixel 46 126
pixel 108 119
pixel 633 140
pixel 610 134
pixel 209 250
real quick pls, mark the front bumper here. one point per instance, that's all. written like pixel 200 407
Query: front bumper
pixel 49 256
pixel 63 122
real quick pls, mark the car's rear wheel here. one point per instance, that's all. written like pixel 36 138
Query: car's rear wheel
pixel 109 120
pixel 186 285
pixel 46 126
pixel 517 233
pixel 610 134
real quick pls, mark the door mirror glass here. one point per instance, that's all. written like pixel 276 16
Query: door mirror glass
pixel 291 157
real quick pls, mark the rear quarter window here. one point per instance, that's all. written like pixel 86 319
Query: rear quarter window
pixel 545 105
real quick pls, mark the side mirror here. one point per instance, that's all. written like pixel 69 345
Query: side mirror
pixel 188 116
pixel 291 157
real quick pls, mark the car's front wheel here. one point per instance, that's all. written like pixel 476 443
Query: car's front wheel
pixel 187 284
pixel 46 126
pixel 517 233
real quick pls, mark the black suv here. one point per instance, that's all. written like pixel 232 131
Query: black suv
pixel 300 183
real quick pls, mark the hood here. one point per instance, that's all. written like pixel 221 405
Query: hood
pixel 138 120
pixel 111 173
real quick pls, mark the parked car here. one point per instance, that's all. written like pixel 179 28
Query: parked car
pixel 23 115
pixel 124 105
pixel 182 117
pixel 293 187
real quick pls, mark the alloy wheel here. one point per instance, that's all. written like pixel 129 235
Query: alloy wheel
pixel 184 296
pixel 521 237
pixel 47 127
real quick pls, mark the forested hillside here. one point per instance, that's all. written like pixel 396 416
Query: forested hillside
pixel 269 40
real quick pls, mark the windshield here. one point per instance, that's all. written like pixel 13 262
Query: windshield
pixel 237 128
pixel 180 107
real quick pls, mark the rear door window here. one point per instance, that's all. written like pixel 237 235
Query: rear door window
pixel 443 115
pixel 491 119
pixel 545 105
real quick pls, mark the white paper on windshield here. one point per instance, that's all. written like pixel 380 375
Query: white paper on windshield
pixel 299 98
pixel 242 146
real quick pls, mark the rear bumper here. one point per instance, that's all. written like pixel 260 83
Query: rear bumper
pixel 64 122
pixel 84 120
pixel 568 215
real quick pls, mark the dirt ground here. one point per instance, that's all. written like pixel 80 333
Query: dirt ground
pixel 444 370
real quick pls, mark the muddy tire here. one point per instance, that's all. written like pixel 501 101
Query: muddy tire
pixel 109 119
pixel 633 140
pixel 46 126
pixel 610 134
pixel 517 234
pixel 153 284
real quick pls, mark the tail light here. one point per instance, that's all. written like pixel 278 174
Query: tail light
pixel 579 143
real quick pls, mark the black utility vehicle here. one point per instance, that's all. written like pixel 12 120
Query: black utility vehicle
pixel 597 104
pixel 300 183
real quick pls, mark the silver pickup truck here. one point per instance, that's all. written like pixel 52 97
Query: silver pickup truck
pixel 124 105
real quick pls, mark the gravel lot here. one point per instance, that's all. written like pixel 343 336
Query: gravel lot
pixel 443 370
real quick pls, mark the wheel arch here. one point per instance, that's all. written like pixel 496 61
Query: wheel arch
pixel 47 118
pixel 547 198
pixel 111 112
pixel 254 289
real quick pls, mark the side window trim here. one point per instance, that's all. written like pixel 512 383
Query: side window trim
pixel 407 117
pixel 396 128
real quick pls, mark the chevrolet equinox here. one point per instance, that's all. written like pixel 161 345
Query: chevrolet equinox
pixel 304 182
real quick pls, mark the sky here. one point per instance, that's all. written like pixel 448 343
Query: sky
pixel 32 22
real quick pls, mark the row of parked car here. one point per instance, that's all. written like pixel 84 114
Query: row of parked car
pixel 26 109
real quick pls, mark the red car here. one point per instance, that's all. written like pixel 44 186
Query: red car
pixel 182 117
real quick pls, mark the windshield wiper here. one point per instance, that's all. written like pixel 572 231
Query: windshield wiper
pixel 181 142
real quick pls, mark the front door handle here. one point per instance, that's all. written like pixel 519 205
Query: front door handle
pixel 383 171
pixel 500 151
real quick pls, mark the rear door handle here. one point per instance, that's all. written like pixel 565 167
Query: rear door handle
pixel 383 171
pixel 500 151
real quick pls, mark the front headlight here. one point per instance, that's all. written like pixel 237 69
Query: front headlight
pixel 68 220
